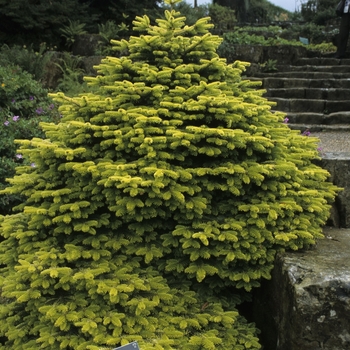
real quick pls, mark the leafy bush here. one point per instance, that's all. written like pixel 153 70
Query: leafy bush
pixel 315 33
pixel 269 66
pixel 252 36
pixel 26 58
pixel 275 35
pixel 222 17
pixel 71 31
pixel 155 202
pixel 23 105
pixel 71 82
pixel 72 73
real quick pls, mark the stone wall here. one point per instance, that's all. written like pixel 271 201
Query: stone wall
pixel 338 165
pixel 306 305
pixel 284 54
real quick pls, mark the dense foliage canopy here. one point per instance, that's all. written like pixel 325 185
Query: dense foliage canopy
pixel 25 22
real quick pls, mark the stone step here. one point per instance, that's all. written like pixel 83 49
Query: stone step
pixel 305 75
pixel 312 128
pixel 272 82
pixel 314 68
pixel 310 93
pixel 296 105
pixel 321 61
pixel 332 119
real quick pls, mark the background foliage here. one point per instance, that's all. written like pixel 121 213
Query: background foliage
pixel 318 11
pixel 35 22
pixel 23 22
pixel 24 103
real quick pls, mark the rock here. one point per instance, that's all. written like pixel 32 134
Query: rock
pixel 248 53
pixel 338 165
pixel 52 72
pixel 306 305
pixel 86 44
pixel 89 63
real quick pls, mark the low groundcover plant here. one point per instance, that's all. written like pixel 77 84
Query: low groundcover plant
pixel 156 203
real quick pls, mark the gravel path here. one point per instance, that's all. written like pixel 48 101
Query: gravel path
pixel 333 141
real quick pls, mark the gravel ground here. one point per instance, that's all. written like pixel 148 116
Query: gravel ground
pixel 333 141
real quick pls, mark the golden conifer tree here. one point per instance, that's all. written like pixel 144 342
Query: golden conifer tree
pixel 155 202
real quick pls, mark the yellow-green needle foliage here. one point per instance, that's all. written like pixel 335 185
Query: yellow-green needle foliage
pixel 155 202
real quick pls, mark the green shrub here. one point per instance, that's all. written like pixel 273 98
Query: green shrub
pixel 275 35
pixel 269 66
pixel 72 72
pixel 27 58
pixel 323 48
pixel 155 202
pixel 72 80
pixel 72 30
pixel 24 103
pixel 244 36
pixel 222 17
pixel 316 34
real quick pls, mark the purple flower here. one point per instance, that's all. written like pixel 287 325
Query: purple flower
pixel 39 110
pixel 19 156
pixel 306 132
pixel 52 106
pixel 6 123
pixel 31 98
pixel 32 165
pixel 15 118
pixel 13 100
pixel 286 120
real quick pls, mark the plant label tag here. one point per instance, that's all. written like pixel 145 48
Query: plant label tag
pixel 130 346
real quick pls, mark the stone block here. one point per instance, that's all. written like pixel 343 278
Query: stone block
pixel 338 165
pixel 287 93
pixel 283 104
pixel 306 305
pixel 249 53
pixel 296 83
pixel 338 94
pixel 275 83
pixel 86 44
pixel 342 117
pixel 89 63
pixel 284 54
pixel 337 106
pixel 303 105
pixel 306 118
pixel 316 94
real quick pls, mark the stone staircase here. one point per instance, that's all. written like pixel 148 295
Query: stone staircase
pixel 315 95
pixel 306 304
pixel 313 92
